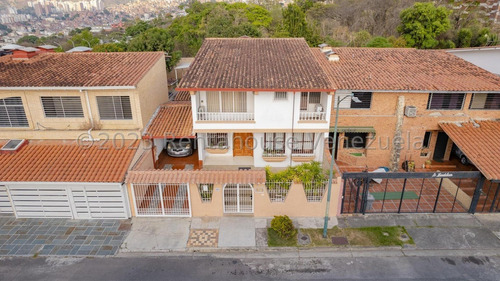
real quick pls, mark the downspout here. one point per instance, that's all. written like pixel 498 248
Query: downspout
pixel 293 123
pixel 90 115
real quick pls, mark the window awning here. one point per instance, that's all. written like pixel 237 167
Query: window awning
pixel 353 129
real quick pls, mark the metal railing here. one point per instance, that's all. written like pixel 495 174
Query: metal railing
pixel 315 190
pixel 312 116
pixel 161 199
pixel 274 153
pixel 226 116
pixel 278 190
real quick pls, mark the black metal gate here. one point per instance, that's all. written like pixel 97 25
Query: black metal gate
pixel 488 198
pixel 400 192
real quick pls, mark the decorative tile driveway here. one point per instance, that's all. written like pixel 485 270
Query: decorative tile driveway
pixel 29 237
pixel 203 238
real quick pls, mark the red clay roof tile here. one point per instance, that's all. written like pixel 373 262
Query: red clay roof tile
pixel 173 120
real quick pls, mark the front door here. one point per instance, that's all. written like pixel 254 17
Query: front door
pixel 238 198
pixel 441 144
pixel 242 144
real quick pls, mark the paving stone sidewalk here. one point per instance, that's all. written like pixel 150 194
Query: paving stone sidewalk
pixel 31 237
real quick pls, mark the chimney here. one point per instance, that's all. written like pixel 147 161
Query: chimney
pixel 328 52
pixel 24 53
pixel 47 49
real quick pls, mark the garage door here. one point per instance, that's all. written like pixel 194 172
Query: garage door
pixel 78 202
pixel 5 206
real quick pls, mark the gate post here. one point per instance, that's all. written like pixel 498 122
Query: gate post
pixel 477 194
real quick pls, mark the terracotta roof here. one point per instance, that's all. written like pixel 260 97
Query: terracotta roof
pixel 66 161
pixel 199 176
pixel 255 64
pixel 480 144
pixel 172 120
pixel 77 69
pixel 405 69
pixel 182 96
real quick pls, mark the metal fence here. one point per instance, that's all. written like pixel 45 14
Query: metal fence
pixel 314 191
pixel 161 199
pixel 450 192
pixel 278 190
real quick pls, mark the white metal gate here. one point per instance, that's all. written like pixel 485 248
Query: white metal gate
pixel 76 202
pixel 162 199
pixel 238 198
pixel 5 205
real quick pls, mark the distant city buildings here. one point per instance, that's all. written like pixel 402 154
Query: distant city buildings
pixel 47 7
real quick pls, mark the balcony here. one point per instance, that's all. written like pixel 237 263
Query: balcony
pixel 226 116
pixel 312 116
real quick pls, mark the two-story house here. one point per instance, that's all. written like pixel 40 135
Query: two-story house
pixel 405 95
pixel 70 125
pixel 258 102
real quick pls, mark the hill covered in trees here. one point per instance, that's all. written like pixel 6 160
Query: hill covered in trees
pixel 357 23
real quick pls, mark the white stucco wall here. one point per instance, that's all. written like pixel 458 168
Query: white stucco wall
pixel 487 58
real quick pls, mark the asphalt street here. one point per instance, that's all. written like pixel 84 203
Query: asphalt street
pixel 217 268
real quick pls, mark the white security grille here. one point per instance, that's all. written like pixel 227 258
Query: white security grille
pixel 12 113
pixel 114 107
pixel 238 198
pixel 280 96
pixel 5 205
pixel 62 107
pixel 162 199
pixel 315 191
pixel 278 190
pixel 206 190
pixel 217 140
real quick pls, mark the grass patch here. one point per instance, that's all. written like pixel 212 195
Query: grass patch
pixel 377 236
pixel 357 154
pixel 274 240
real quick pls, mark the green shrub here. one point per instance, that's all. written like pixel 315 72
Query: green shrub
pixel 304 173
pixel 283 225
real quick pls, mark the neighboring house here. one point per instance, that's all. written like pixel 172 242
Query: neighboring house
pixel 70 125
pixel 261 94
pixel 484 57
pixel 404 93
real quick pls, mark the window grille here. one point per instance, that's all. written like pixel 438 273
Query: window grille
pixel 303 143
pixel 62 107
pixel 280 96
pixel 12 113
pixel 217 140
pixel 114 107
pixel 485 101
pixel 274 144
pixel 446 101
pixel 206 190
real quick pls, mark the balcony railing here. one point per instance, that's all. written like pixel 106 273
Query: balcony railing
pixel 226 116
pixel 312 116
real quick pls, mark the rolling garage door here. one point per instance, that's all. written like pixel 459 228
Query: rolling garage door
pixel 5 206
pixel 78 202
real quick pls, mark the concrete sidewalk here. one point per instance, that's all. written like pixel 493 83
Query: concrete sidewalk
pixel 452 232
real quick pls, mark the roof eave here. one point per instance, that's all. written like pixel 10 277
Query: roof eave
pixel 56 88
pixel 259 89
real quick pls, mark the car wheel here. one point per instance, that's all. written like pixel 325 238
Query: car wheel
pixel 464 160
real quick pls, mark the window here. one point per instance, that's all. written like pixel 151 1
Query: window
pixel 12 113
pixel 226 101
pixel 206 190
pixel 217 140
pixel 280 96
pixel 355 140
pixel 308 98
pixel 427 140
pixel 303 143
pixel 364 97
pixel 274 143
pixel 114 107
pixel 485 101
pixel 447 101
pixel 62 107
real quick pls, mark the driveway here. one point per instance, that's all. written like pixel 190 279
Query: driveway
pixel 33 237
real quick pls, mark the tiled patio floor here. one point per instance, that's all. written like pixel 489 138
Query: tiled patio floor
pixel 29 237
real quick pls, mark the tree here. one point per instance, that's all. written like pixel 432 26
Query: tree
pixel 464 38
pixel 28 39
pixel 361 39
pixel 294 21
pixel 156 39
pixel 485 38
pixel 137 28
pixel 399 42
pixel 109 47
pixel 423 23
pixel 85 38
pixel 379 42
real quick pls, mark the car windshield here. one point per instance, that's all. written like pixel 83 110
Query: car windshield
pixel 179 143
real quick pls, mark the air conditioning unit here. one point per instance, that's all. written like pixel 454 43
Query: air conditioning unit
pixel 318 108
pixel 410 111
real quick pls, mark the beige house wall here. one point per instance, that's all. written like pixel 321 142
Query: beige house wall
pixel 382 117
pixel 145 98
